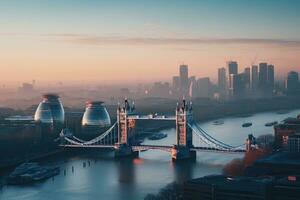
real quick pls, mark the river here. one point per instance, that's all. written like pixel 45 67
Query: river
pixel 103 177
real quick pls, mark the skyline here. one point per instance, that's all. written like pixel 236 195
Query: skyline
pixel 73 41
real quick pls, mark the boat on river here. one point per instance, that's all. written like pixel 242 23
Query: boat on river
pixel 158 136
pixel 271 123
pixel 31 172
pixel 247 124
pixel 218 122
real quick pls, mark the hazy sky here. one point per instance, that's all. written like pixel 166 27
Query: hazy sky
pixel 94 40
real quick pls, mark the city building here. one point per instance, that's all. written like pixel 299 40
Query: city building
pixel 254 77
pixel 227 188
pixel 95 119
pixel 294 143
pixel 202 88
pixel 232 67
pixel 271 77
pixel 287 187
pixel 222 79
pixel 292 83
pixel 184 80
pixel 247 77
pixel 263 76
pixel 237 86
pixel 236 188
pixel 266 78
pixel 289 127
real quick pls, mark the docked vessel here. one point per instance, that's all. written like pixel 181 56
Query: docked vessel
pixel 27 173
pixel 247 124
pixel 271 123
pixel 218 122
pixel 158 136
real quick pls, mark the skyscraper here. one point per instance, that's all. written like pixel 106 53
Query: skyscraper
pixel 222 79
pixel 292 83
pixel 271 78
pixel 203 88
pixel 263 76
pixel 184 80
pixel 237 85
pixel 247 77
pixel 254 77
pixel 232 67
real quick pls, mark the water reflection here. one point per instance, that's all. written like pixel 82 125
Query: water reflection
pixel 107 178
pixel 126 170
pixel 183 170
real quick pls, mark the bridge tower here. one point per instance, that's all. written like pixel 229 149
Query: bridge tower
pixel 184 135
pixel 123 147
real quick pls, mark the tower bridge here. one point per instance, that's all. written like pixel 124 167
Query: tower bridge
pixel 120 136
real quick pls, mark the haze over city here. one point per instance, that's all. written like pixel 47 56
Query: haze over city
pixel 153 100
pixel 128 41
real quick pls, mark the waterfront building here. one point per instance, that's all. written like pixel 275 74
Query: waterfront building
pixel 226 188
pixel 50 110
pixel 51 115
pixel 283 131
pixel 236 188
pixel 95 119
pixel 287 187
pixel 294 143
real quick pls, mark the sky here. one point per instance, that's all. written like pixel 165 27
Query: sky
pixel 134 41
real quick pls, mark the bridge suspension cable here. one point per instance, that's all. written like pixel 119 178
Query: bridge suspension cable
pixel 208 139
pixel 107 137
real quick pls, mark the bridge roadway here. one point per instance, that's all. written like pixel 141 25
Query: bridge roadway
pixel 152 117
pixel 157 147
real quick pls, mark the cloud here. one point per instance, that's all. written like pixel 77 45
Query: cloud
pixel 102 40
pixel 123 40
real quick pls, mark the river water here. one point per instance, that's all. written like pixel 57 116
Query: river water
pixel 103 177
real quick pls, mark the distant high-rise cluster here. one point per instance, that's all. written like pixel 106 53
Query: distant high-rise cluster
pixel 254 81
pixel 185 86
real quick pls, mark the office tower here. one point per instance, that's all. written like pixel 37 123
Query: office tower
pixel 263 76
pixel 254 77
pixel 237 85
pixel 232 67
pixel 271 77
pixel 247 77
pixel 292 83
pixel 222 79
pixel 203 88
pixel 184 80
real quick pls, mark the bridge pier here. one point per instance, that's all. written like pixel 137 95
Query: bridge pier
pixel 182 153
pixel 124 150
